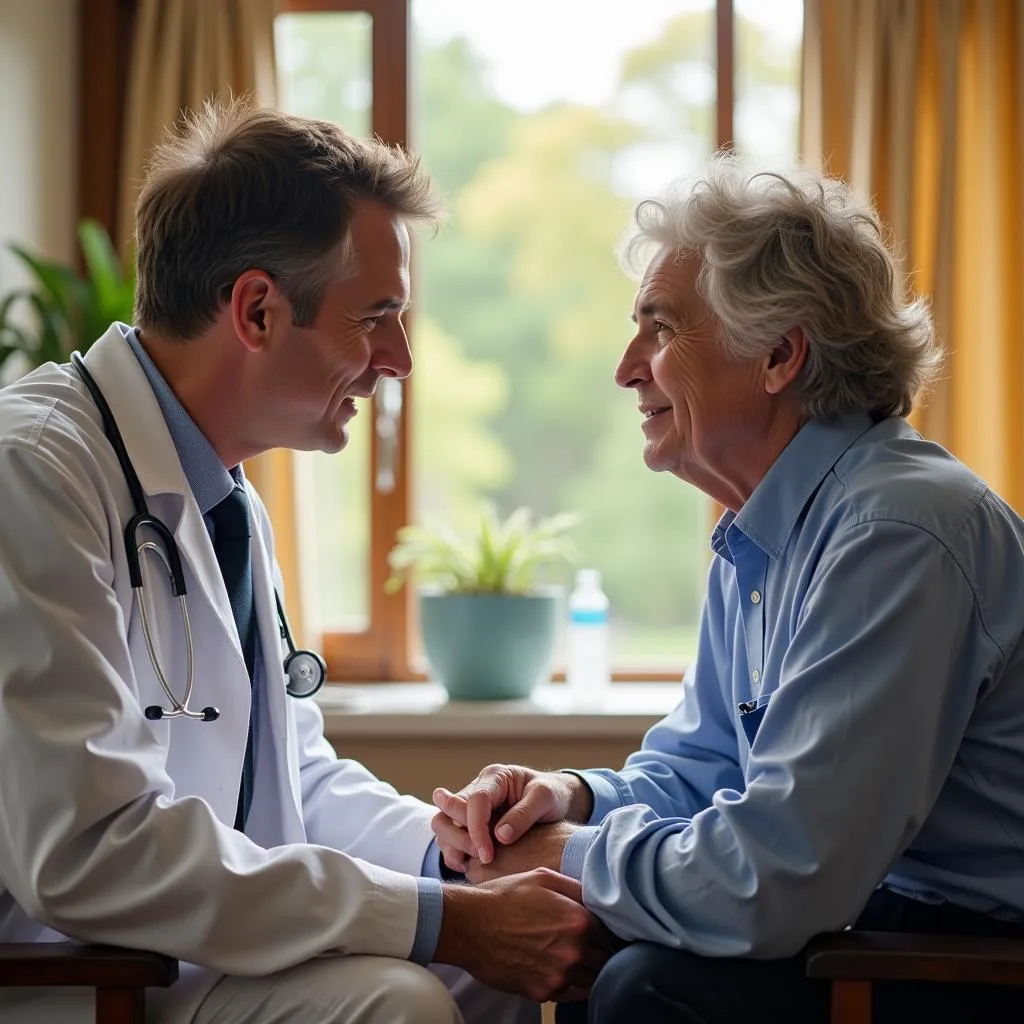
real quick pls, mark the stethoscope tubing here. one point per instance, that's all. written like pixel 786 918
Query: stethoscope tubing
pixel 307 667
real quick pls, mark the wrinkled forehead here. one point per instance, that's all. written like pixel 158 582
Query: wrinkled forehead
pixel 670 280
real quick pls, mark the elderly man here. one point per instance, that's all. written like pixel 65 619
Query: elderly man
pixel 849 746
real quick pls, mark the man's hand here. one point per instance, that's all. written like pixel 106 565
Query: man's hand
pixel 541 847
pixel 528 934
pixel 530 797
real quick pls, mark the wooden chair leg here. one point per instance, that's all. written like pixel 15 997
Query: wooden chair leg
pixel 851 1002
pixel 120 1006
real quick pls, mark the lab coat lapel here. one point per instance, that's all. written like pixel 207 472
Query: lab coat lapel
pixel 221 678
pixel 207 762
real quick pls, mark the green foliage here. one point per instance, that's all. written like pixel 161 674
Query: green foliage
pixel 613 533
pixel 324 64
pixel 458 400
pixel 524 275
pixel 453 148
pixel 510 557
pixel 62 310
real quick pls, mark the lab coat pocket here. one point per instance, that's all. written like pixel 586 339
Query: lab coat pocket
pixel 751 712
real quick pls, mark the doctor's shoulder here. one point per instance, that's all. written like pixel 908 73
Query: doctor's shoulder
pixel 46 405
pixel 49 432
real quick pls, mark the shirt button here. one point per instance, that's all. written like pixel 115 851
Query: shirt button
pixel 755 675
pixel 755 597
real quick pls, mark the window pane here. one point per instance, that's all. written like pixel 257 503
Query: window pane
pixel 323 63
pixel 543 140
pixel 768 43
pixel 323 66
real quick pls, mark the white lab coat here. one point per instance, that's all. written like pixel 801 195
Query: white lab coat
pixel 118 829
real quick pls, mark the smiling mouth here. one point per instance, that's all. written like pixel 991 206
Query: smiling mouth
pixel 655 412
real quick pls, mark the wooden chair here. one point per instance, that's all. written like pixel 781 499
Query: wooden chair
pixel 852 961
pixel 119 976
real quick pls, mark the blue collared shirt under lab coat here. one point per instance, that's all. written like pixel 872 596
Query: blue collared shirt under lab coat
pixel 869 600
pixel 211 482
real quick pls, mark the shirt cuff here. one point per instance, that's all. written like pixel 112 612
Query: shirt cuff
pixel 428 921
pixel 435 867
pixel 607 797
pixel 574 853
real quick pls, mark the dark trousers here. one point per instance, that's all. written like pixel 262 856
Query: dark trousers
pixel 650 984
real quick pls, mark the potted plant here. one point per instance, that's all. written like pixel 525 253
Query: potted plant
pixel 489 611
pixel 62 310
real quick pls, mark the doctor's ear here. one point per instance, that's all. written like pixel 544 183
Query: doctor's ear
pixel 256 306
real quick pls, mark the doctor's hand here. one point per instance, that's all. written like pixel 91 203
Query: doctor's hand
pixel 528 934
pixel 523 797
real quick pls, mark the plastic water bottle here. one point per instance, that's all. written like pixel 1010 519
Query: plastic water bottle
pixel 588 662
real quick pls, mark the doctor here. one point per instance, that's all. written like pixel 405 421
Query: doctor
pixel 272 278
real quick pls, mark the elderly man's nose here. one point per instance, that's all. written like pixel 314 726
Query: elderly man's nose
pixel 632 369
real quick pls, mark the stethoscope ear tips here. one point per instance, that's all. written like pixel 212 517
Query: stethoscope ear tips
pixel 154 713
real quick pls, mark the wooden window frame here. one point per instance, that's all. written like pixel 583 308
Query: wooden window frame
pixel 382 652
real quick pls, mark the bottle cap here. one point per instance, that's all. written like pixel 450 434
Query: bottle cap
pixel 589 578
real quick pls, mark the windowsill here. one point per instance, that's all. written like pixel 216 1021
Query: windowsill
pixel 421 710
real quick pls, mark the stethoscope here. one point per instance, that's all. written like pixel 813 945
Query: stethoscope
pixel 305 671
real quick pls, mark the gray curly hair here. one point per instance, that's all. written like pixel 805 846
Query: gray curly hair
pixel 779 251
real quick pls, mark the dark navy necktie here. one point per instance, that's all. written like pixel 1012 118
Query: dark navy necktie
pixel 232 544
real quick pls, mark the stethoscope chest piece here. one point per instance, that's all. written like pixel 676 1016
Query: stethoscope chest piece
pixel 305 672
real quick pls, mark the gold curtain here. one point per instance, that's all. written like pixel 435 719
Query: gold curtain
pixel 920 104
pixel 185 52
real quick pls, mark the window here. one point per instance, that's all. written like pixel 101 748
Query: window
pixel 543 124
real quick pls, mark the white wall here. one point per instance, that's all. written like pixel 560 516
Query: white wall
pixel 38 129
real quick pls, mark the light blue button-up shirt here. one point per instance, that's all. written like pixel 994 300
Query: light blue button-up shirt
pixel 855 712
pixel 211 482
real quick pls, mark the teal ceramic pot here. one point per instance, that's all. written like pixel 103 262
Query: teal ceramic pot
pixel 490 646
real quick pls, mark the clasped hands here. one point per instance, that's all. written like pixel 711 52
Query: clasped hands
pixel 510 819
pixel 516 821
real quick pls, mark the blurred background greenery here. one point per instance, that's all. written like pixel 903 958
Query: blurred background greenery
pixel 542 132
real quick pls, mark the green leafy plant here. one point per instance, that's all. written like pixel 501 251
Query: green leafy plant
pixel 62 310
pixel 495 557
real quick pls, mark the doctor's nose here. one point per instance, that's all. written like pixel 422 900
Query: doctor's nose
pixel 392 356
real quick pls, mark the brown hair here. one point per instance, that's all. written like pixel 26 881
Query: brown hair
pixel 236 188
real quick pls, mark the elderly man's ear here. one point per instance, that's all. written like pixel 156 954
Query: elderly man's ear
pixel 786 360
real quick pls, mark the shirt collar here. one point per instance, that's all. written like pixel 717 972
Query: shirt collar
pixel 770 513
pixel 211 482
